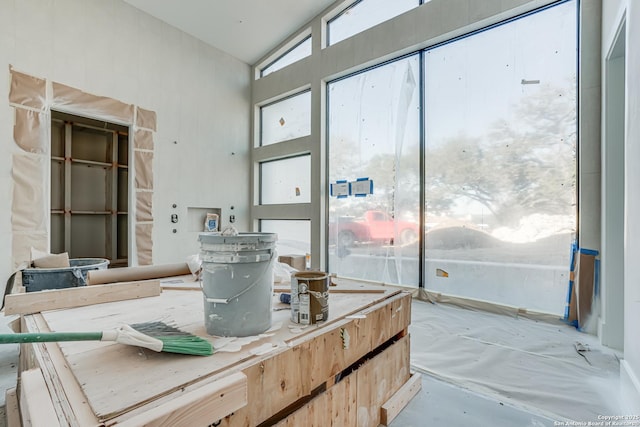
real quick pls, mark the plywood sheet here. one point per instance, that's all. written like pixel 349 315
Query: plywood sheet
pixel 387 372
pixel 116 378
pixel 332 408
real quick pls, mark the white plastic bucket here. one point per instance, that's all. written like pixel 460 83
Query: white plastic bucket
pixel 237 281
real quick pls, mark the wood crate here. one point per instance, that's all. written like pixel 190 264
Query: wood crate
pixel 353 362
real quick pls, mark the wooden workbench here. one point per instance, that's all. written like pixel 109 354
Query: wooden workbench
pixel 339 372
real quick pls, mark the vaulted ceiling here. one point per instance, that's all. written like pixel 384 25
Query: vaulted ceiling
pixel 246 29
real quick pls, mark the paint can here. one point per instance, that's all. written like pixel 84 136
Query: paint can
pixel 309 297
pixel 237 282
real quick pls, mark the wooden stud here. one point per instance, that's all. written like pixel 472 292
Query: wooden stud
pixel 400 399
pixel 34 302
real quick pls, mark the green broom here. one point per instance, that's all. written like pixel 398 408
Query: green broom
pixel 156 336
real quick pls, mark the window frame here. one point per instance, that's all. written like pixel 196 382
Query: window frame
pixel 284 54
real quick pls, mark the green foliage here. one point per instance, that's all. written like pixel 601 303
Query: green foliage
pixel 523 165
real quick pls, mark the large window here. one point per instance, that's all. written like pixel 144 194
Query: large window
pixel 294 236
pixel 286 119
pixel 364 14
pixel 286 181
pixel 299 51
pixel 500 114
pixel 497 117
pixel 374 133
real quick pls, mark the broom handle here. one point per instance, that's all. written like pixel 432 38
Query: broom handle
pixel 50 337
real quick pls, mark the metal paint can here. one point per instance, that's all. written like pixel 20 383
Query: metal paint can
pixel 309 297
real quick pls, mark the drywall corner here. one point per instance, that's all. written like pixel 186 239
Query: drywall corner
pixel 629 389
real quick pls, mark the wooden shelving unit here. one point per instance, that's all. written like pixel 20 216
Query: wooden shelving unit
pixel 89 189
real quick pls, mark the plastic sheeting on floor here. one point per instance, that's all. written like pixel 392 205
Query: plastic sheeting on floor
pixel 547 368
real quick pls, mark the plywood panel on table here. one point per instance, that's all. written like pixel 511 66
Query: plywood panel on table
pixel 117 378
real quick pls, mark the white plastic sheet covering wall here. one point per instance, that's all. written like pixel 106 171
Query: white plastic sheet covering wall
pixel 33 99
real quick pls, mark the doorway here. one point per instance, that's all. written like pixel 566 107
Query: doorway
pixel 89 188
pixel 611 328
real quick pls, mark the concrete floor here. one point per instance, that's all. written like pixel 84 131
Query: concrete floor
pixel 443 404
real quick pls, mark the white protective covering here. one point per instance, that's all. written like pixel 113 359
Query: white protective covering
pixel 530 364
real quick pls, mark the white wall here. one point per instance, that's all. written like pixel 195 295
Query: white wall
pixel 614 12
pixel 200 94
pixel 611 322
pixel 630 367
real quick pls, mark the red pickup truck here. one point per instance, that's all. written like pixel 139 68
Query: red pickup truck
pixel 374 227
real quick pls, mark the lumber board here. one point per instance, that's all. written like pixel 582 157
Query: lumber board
pixel 44 362
pixel 76 409
pixel 378 379
pixel 36 407
pixel 400 399
pixel 35 302
pixel 332 353
pixel 357 397
pixel 274 384
pixel 204 406
pixel 313 360
pixel 331 408
pixel 26 356
pixel 12 409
